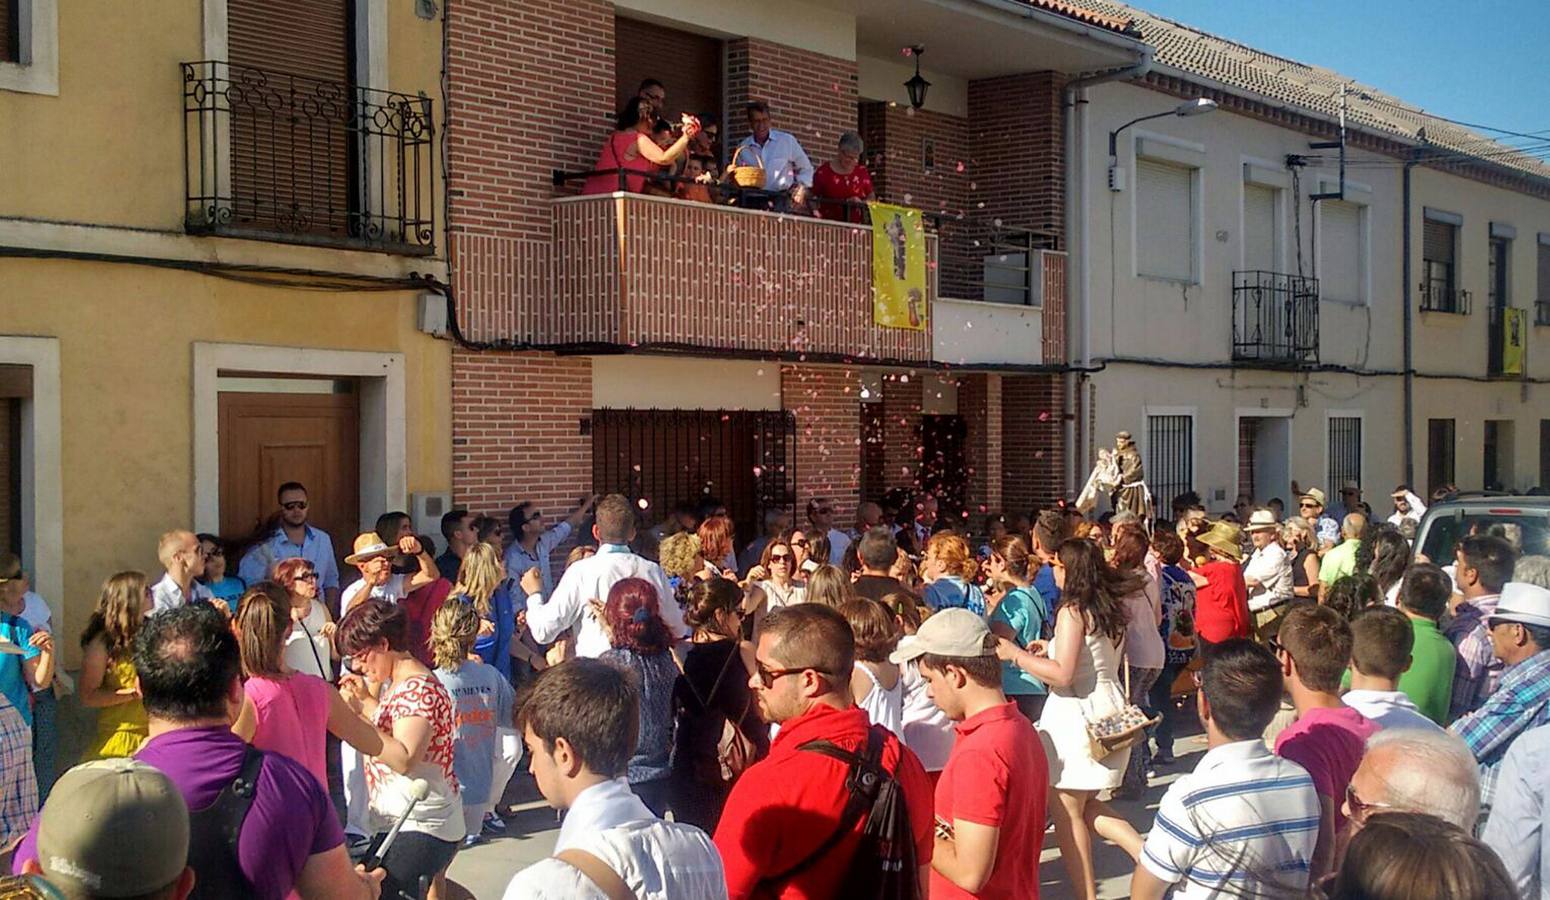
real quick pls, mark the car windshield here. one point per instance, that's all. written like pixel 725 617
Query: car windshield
pixel 1445 531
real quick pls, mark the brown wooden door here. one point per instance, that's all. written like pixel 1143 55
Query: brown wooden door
pixel 269 439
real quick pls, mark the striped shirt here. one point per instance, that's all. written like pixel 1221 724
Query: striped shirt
pixel 18 784
pixel 1522 702
pixel 1242 824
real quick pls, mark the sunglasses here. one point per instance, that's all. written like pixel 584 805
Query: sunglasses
pixel 825 511
pixel 307 576
pixel 768 676
pixel 294 504
pixel 780 557
pixel 801 543
pixel 1308 505
pixel 1275 646
pixel 1361 808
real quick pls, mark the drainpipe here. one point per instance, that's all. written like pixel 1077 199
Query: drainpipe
pixel 1078 396
pixel 1409 332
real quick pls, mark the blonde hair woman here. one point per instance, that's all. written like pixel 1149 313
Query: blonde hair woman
pixel 948 569
pixel 1298 538
pixel 285 711
pixel 108 667
pixel 482 584
pixel 482 700
pixel 829 586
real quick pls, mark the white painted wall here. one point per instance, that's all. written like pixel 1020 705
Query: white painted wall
pixel 663 382
pixel 970 331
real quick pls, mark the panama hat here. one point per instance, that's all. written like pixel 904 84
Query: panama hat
pixel 1262 520
pixel 1225 538
pixel 1528 604
pixel 368 545
pixel 1316 495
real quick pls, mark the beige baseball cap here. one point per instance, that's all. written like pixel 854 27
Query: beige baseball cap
pixel 951 632
pixel 113 828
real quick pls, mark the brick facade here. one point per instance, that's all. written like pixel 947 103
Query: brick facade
pixel 516 431
pixel 811 95
pixel 901 430
pixel 1019 149
pixel 826 405
pixel 979 402
pixel 1033 467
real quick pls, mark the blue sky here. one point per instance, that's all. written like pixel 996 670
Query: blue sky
pixel 1479 61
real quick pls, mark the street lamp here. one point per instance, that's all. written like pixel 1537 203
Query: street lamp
pixel 916 86
pixel 1195 107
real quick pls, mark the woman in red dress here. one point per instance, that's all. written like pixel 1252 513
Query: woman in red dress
pixel 632 150
pixel 842 179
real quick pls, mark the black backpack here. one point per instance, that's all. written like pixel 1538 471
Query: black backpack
pixel 884 864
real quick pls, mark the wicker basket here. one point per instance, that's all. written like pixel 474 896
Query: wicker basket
pixel 745 176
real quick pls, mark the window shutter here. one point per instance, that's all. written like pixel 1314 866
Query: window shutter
pixel 8 24
pixel 1544 273
pixel 1165 220
pixel 1259 228
pixel 1437 241
pixel 1340 259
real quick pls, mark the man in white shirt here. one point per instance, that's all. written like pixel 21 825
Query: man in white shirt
pixel 787 170
pixel 180 556
pixel 374 558
pixel 1268 572
pixel 580 725
pixel 820 512
pixel 532 545
pixel 1381 640
pixel 1241 802
pixel 1406 506
pixel 578 599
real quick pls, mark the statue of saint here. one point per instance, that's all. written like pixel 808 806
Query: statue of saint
pixel 1130 493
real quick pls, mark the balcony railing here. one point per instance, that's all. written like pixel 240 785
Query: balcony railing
pixel 1542 312
pixel 1439 297
pixel 287 157
pixel 633 270
pixel 992 262
pixel 1275 318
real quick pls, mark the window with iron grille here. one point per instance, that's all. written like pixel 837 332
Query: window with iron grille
pixel 1439 454
pixel 1439 256
pixel 1170 456
pixel 1345 451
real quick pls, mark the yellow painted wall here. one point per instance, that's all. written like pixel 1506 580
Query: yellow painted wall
pixel 126 343
pixel 109 148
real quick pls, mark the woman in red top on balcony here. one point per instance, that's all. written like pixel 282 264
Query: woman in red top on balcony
pixel 632 150
pixel 843 179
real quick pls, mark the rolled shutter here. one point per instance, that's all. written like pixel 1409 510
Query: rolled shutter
pixel 1165 220
pixel 1259 228
pixel 1437 241
pixel 1340 257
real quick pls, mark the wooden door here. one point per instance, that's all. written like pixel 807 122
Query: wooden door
pixel 269 439
pixel 943 463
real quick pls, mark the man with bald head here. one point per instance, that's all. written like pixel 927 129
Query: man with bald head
pixel 181 558
pixel 1415 770
pixel 1341 561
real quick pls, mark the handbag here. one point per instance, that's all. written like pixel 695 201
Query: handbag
pixel 1119 729
pixel 734 751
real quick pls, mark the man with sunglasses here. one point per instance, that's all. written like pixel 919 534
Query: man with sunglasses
pixel 293 537
pixel 532 545
pixel 803 665
pixel 820 513
pixel 1327 529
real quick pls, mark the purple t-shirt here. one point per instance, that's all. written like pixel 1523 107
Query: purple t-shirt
pixel 1329 743
pixel 290 821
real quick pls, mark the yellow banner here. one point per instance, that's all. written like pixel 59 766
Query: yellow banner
pixel 1514 336
pixel 898 267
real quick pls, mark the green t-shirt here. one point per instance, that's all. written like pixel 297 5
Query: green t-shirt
pixel 1022 610
pixel 1429 680
pixel 1338 563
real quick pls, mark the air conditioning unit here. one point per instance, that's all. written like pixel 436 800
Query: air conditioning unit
pixel 426 510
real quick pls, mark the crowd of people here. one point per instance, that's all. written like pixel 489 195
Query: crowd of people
pixel 896 708
pixel 651 152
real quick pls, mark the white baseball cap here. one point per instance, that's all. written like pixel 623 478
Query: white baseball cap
pixel 951 632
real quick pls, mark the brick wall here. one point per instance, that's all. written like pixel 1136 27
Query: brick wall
pixel 811 95
pixel 979 402
pixel 1032 438
pixel 828 420
pixel 901 430
pixel 516 431
pixel 1019 155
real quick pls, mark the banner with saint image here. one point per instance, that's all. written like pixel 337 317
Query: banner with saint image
pixel 898 267
pixel 1514 333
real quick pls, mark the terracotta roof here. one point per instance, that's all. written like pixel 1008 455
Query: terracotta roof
pixel 1310 88
pixel 1086 15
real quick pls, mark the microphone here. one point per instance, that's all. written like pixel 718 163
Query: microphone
pixel 419 789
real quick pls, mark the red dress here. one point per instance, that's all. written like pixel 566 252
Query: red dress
pixel 1222 605
pixel 620 151
pixel 829 185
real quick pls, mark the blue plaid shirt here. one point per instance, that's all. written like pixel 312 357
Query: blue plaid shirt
pixel 18 783
pixel 1520 703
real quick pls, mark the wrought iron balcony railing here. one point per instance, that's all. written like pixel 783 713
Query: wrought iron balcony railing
pixel 1440 297
pixel 1275 318
pixel 1542 312
pixel 291 158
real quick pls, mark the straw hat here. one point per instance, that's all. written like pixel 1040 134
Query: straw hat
pixel 1226 539
pixel 368 546
pixel 1262 520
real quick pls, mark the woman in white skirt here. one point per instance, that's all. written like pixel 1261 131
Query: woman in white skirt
pixel 1081 667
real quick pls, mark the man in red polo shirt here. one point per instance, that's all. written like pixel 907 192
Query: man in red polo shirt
pixel 788 805
pixel 991 796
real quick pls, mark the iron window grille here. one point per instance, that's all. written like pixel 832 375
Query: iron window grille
pixel 1275 318
pixel 1439 296
pixel 1345 451
pixel 1170 456
pixel 288 157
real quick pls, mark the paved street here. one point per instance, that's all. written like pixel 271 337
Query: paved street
pixel 485 869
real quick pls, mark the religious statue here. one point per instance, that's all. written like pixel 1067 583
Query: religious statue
pixel 1130 493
